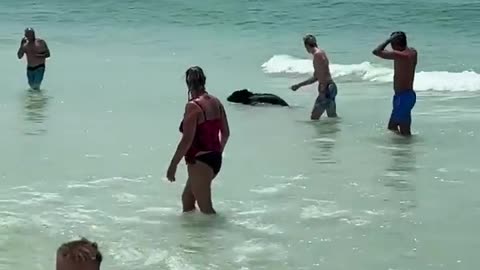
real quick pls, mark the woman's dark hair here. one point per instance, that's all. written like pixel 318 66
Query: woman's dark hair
pixel 195 78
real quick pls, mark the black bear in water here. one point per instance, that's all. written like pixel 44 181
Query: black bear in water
pixel 248 98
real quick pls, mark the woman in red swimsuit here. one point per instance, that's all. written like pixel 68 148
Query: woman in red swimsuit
pixel 205 133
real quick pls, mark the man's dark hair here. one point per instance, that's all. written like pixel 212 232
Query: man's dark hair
pixel 310 41
pixel 80 251
pixel 400 39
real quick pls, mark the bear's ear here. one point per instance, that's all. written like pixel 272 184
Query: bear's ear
pixel 247 93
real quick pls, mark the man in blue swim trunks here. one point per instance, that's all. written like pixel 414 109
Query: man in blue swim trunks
pixel 405 62
pixel 327 89
pixel 37 52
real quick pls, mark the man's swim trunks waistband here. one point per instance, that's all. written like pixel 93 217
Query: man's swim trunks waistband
pixel 403 91
pixel 36 67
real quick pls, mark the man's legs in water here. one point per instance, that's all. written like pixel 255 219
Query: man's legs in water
pixel 331 103
pixel 318 108
pixel 405 129
pixel 316 114
pixel 332 109
pixel 325 103
pixel 322 105
pixel 400 128
pixel 401 117
pixel 392 126
pixel 35 77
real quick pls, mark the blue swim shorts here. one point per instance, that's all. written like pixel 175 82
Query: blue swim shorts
pixel 327 102
pixel 35 76
pixel 403 103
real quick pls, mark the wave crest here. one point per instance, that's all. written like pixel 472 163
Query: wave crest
pixel 424 81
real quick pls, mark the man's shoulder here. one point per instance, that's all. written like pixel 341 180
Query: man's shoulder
pixel 320 54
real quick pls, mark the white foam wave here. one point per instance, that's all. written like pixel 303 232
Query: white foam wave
pixel 255 225
pixel 424 81
pixel 254 249
pixel 271 190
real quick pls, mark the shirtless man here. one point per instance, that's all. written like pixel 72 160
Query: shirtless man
pixel 405 62
pixel 327 89
pixel 37 51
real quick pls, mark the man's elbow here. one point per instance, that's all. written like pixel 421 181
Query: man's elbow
pixel 376 52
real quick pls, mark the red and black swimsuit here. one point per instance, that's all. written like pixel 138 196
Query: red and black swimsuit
pixel 206 140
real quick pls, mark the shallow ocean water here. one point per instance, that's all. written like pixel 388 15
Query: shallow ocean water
pixel 87 155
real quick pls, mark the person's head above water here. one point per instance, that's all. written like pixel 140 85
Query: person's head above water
pixel 79 255
pixel 399 41
pixel 310 43
pixel 195 79
pixel 30 33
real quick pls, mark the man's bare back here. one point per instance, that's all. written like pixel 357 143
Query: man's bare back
pixel 404 70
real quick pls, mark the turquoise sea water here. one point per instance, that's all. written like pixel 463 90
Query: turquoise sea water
pixel 87 155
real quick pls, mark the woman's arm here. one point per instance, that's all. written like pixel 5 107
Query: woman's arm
pixel 225 128
pixel 189 127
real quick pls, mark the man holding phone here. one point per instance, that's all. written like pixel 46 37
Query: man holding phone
pixel 37 52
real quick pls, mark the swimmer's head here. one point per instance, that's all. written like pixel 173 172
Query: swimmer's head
pixel 79 255
pixel 399 43
pixel 310 43
pixel 30 33
pixel 195 79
